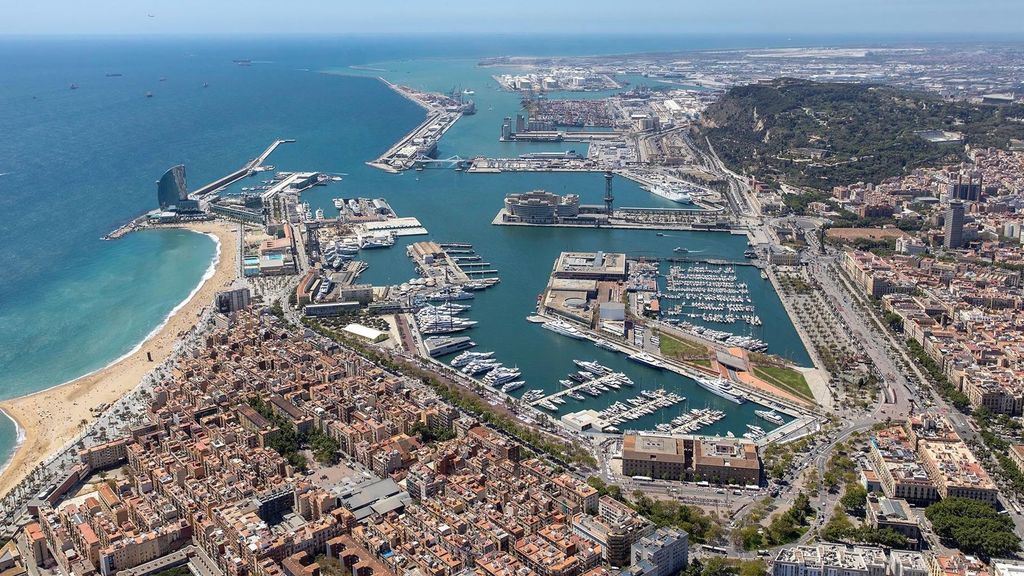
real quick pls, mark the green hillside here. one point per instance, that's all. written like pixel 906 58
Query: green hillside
pixel 825 134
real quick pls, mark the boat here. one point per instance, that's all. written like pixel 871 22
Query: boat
pixel 605 345
pixel 114 74
pixel 500 375
pixel 680 250
pixel 514 385
pixel 576 396
pixel 559 327
pixel 480 366
pixel 567 383
pixel 771 416
pixel 676 196
pixel 446 294
pixel 149 94
pixel 719 387
pixel 73 86
pixel 467 357
pixel 660 234
pixel 547 405
pixel 575 376
pixel 593 367
pixel 378 241
pixel 764 275
pixel 647 359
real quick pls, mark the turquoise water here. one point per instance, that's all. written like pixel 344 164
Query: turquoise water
pixel 74 164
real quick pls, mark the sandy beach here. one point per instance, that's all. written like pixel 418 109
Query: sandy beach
pixel 51 418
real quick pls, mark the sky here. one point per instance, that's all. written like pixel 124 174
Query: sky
pixel 905 18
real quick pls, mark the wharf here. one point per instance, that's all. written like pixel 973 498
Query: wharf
pixel 562 136
pixel 237 175
pixel 421 143
pixel 588 383
pixel 499 220
pixel 750 393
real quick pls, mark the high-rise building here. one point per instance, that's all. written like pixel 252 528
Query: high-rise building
pixel 954 225
pixel 506 129
pixel 171 189
pixel 228 301
pixel 520 124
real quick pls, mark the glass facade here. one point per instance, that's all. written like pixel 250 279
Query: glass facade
pixel 170 189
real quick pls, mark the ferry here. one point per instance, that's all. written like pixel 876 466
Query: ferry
pixel 770 415
pixel 647 359
pixel 605 345
pixel 559 327
pixel 720 387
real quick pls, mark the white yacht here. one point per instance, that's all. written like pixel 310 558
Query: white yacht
pixel 645 358
pixel 720 387
pixel 559 327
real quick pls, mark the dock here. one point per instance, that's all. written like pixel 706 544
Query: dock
pixel 613 377
pixel 421 143
pixel 237 175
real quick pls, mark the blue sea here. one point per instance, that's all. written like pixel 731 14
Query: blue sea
pixel 74 164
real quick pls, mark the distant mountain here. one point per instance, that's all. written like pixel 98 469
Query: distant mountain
pixel 825 134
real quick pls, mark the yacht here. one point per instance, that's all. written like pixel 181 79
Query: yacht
pixel 720 387
pixel 576 396
pixel 605 345
pixel 770 416
pixel 514 385
pixel 378 241
pixel 559 327
pixel 447 294
pixel 500 375
pixel 593 367
pixel 567 383
pixel 645 358
pixel 480 366
pixel 677 196
pixel 467 357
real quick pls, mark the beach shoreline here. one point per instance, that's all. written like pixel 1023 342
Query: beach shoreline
pixel 48 419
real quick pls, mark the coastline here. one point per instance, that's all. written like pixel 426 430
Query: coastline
pixel 46 420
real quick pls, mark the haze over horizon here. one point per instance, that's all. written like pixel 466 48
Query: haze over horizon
pixel 904 18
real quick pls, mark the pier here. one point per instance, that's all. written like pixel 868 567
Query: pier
pixel 420 145
pixel 237 175
pixel 613 377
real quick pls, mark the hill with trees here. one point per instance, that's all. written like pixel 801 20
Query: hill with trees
pixel 820 135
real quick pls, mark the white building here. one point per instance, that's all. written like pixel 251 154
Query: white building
pixel 663 553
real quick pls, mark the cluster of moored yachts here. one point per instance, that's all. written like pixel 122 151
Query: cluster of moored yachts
pixel 711 293
pixel 593 379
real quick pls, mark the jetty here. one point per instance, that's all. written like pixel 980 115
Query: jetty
pixel 250 167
